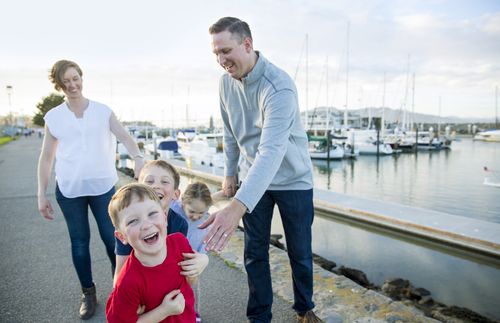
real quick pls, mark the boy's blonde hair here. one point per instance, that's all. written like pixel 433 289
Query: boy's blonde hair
pixel 164 165
pixel 197 191
pixel 123 197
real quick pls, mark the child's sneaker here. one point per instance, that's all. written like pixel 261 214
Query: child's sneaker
pixel 198 318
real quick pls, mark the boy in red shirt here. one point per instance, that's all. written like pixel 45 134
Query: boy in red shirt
pixel 150 278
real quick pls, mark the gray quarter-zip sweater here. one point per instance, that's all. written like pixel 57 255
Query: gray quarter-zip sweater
pixel 263 132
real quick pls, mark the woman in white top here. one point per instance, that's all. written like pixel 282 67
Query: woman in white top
pixel 80 135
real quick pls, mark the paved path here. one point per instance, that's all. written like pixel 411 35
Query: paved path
pixel 38 281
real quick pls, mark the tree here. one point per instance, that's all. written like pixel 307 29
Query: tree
pixel 44 106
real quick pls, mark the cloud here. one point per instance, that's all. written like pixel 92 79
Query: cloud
pixel 420 22
pixel 490 24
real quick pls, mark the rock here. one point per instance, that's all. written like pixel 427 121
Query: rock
pixel 464 314
pixel 422 292
pixel 418 293
pixel 275 241
pixel 324 263
pixel 426 301
pixel 356 275
pixel 397 288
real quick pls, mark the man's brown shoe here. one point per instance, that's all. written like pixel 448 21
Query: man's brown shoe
pixel 308 317
pixel 89 303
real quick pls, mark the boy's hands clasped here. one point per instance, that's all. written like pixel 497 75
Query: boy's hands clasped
pixel 173 303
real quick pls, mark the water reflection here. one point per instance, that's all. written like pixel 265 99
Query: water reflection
pixel 449 181
pixel 452 279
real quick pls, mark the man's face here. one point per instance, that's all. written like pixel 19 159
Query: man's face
pixel 233 56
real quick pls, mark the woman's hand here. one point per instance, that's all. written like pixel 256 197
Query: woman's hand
pixel 45 208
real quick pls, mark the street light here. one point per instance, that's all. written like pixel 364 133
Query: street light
pixel 9 89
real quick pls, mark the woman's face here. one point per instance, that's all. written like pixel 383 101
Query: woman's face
pixel 72 82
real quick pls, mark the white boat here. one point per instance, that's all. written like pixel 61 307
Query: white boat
pixel 204 149
pixel 321 152
pixel 184 137
pixel 166 148
pixel 366 142
pixel 489 135
pixel 426 141
pixel 400 142
pixel 318 148
pixel 370 148
pixel 493 178
pixel 350 151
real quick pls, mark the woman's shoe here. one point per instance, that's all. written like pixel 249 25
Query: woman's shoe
pixel 89 303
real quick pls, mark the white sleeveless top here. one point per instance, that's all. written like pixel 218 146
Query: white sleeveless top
pixel 86 150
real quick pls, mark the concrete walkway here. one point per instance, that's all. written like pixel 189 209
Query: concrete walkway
pixel 39 283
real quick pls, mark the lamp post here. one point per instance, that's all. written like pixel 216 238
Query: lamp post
pixel 9 89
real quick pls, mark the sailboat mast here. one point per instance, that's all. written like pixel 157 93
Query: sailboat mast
pixel 187 108
pixel 307 80
pixel 346 77
pixel 439 122
pixel 405 116
pixel 496 107
pixel 412 102
pixel 382 122
pixel 172 107
pixel 327 106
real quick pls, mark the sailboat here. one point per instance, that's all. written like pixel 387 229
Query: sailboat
pixel 491 135
pixel 319 148
pixel 493 178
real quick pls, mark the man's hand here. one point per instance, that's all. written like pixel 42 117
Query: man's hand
pixel 229 186
pixel 224 223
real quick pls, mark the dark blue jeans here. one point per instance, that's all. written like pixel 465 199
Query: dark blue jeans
pixel 297 213
pixel 75 211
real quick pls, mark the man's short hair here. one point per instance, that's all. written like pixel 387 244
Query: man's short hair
pixel 234 25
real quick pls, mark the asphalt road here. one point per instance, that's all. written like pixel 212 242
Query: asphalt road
pixel 38 281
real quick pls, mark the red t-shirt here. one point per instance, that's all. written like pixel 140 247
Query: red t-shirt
pixel 140 285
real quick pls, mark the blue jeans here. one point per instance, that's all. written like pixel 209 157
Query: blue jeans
pixel 297 213
pixel 75 211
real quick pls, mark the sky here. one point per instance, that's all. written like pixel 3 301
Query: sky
pixel 152 60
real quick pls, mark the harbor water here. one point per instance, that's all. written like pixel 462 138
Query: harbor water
pixel 449 181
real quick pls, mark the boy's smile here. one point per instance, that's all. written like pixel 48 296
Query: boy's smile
pixel 143 226
pixel 162 182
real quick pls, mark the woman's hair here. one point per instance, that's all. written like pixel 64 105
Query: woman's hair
pixel 58 70
pixel 197 191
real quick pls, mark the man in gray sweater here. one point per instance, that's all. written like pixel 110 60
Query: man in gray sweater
pixel 264 137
